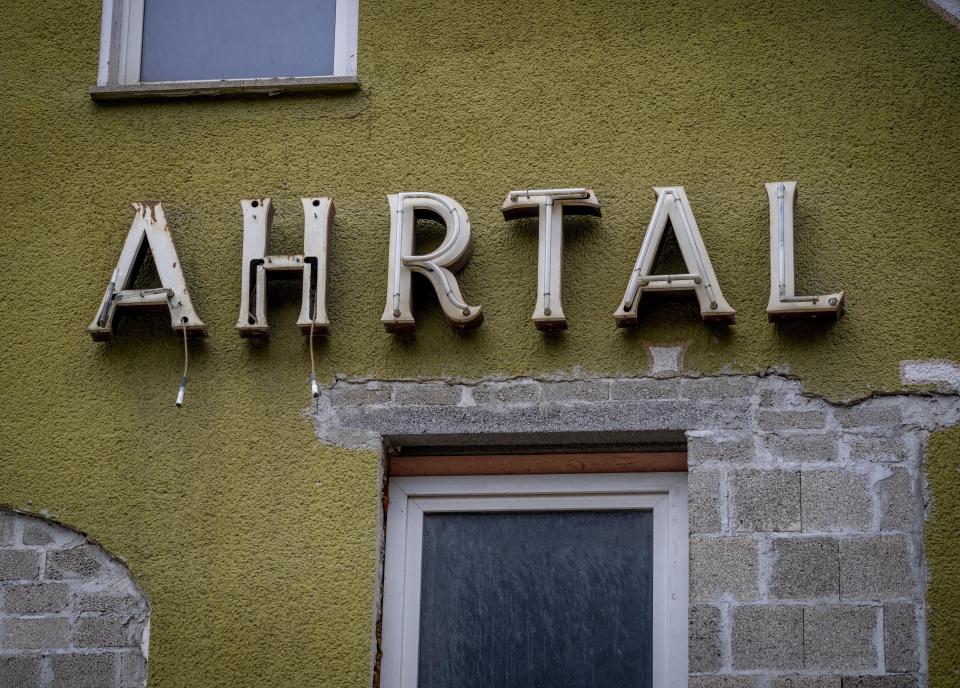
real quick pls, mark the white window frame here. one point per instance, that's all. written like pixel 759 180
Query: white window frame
pixel 665 494
pixel 121 39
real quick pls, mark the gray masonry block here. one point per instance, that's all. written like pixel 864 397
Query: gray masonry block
pixel 727 447
pixel 7 519
pixel 718 387
pixel 84 671
pixel 704 500
pixel 349 394
pixel 35 598
pixel 706 653
pixel 839 638
pixel 863 416
pixel 19 564
pixel 792 419
pixel 37 535
pixel 835 500
pixel 512 392
pixel 766 500
pixel 879 449
pixel 20 672
pixel 577 390
pixel 876 568
pixel 767 637
pixel 644 388
pixel 101 631
pixel 723 568
pixel 133 670
pixel 805 568
pixel 76 562
pixel 803 447
pixel 117 604
pixel 428 394
pixel 723 682
pixel 900 637
pixel 901 681
pixel 35 633
pixel 807 682
pixel 896 502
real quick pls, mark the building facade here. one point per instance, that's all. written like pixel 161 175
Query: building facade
pixel 510 473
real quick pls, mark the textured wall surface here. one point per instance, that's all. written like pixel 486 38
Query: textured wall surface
pixel 70 614
pixel 255 544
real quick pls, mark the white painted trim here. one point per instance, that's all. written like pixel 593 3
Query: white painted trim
pixel 345 38
pixel 665 494
pixel 121 44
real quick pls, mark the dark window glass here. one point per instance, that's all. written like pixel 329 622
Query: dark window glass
pixel 534 599
pixel 236 39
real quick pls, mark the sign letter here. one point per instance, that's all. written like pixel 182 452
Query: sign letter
pixel 673 207
pixel 438 265
pixel 149 232
pixel 257 219
pixel 784 303
pixel 549 206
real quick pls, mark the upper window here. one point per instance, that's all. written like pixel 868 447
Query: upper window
pixel 158 46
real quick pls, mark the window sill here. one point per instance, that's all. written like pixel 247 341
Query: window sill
pixel 225 87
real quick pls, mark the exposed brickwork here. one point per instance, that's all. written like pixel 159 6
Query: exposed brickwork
pixel 70 615
pixel 806 518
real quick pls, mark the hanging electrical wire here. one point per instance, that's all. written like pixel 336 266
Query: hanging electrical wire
pixel 186 362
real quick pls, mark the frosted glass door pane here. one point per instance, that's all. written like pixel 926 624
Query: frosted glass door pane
pixel 534 599
pixel 236 39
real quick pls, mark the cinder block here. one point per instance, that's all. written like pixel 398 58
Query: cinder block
pixel 116 604
pixel 644 388
pixel 35 598
pixel 428 394
pixel 807 682
pixel 805 568
pixel 724 387
pixel 897 681
pixel 878 449
pixel 723 568
pixel 767 637
pixel 577 390
pixel 76 562
pixel 839 638
pixel 35 633
pixel 511 392
pixel 804 447
pixel 896 503
pixel 133 670
pixel 791 419
pixel 727 447
pixel 867 415
pixel 101 631
pixel 37 534
pixel 704 647
pixel 20 672
pixel 19 564
pixel 835 500
pixel 724 682
pixel 351 394
pixel 876 568
pixel 900 637
pixel 7 519
pixel 766 500
pixel 84 671
pixel 704 500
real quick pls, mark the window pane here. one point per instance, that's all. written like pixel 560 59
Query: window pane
pixel 236 39
pixel 530 599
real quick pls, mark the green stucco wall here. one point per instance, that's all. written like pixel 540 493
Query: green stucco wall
pixel 255 544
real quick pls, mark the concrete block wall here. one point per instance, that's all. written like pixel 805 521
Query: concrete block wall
pixel 70 614
pixel 806 517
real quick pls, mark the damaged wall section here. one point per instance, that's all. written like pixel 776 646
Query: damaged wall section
pixel 806 517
